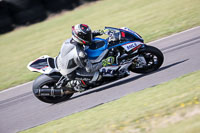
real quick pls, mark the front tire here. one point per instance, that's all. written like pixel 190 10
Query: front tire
pixel 46 81
pixel 154 58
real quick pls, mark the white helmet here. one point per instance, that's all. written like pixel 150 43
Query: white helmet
pixel 82 34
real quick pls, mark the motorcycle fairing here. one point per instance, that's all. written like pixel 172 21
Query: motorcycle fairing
pixel 127 33
pixel 94 51
pixel 44 64
pixel 129 46
pixel 110 70
pixel 98 59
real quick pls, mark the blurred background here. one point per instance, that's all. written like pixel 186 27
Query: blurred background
pixel 14 13
pixel 25 36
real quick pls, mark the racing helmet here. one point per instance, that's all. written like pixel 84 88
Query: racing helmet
pixel 82 34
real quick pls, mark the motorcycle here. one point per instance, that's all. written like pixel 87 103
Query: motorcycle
pixel 128 48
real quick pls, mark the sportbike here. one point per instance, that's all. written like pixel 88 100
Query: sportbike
pixel 129 52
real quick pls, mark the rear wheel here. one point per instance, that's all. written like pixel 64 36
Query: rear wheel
pixel 154 59
pixel 47 82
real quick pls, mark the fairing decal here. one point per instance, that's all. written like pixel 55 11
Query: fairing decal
pixel 128 43
pixel 41 65
pixel 129 46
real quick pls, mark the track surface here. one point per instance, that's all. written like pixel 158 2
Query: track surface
pixel 20 110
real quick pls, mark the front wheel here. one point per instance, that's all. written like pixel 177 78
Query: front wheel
pixel 46 82
pixel 154 59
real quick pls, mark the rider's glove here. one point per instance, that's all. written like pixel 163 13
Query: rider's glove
pixel 101 32
pixel 98 32
pixel 108 61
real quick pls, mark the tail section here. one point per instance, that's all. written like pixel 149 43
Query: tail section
pixel 44 64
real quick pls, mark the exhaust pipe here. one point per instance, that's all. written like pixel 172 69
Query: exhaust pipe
pixel 48 92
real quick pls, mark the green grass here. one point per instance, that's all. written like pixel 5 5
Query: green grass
pixel 153 19
pixel 172 107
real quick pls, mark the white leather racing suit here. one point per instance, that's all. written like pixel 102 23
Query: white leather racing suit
pixel 72 57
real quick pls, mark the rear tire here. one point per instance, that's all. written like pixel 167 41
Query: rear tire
pixel 43 80
pixel 153 53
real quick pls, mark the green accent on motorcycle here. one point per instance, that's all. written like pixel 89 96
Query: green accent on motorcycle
pixel 108 61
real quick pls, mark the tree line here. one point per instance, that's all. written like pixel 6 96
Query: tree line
pixel 14 13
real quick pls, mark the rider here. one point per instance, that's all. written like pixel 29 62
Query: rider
pixel 73 62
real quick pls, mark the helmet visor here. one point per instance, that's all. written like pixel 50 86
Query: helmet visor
pixel 87 37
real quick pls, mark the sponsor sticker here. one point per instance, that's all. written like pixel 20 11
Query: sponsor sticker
pixel 130 46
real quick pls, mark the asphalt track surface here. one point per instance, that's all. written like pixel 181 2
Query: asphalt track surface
pixel 20 110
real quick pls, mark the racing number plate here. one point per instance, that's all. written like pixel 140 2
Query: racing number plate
pixel 129 46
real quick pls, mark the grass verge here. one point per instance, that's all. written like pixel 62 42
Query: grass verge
pixel 169 107
pixel 153 19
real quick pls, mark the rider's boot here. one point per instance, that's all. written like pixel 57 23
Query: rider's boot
pixel 77 85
